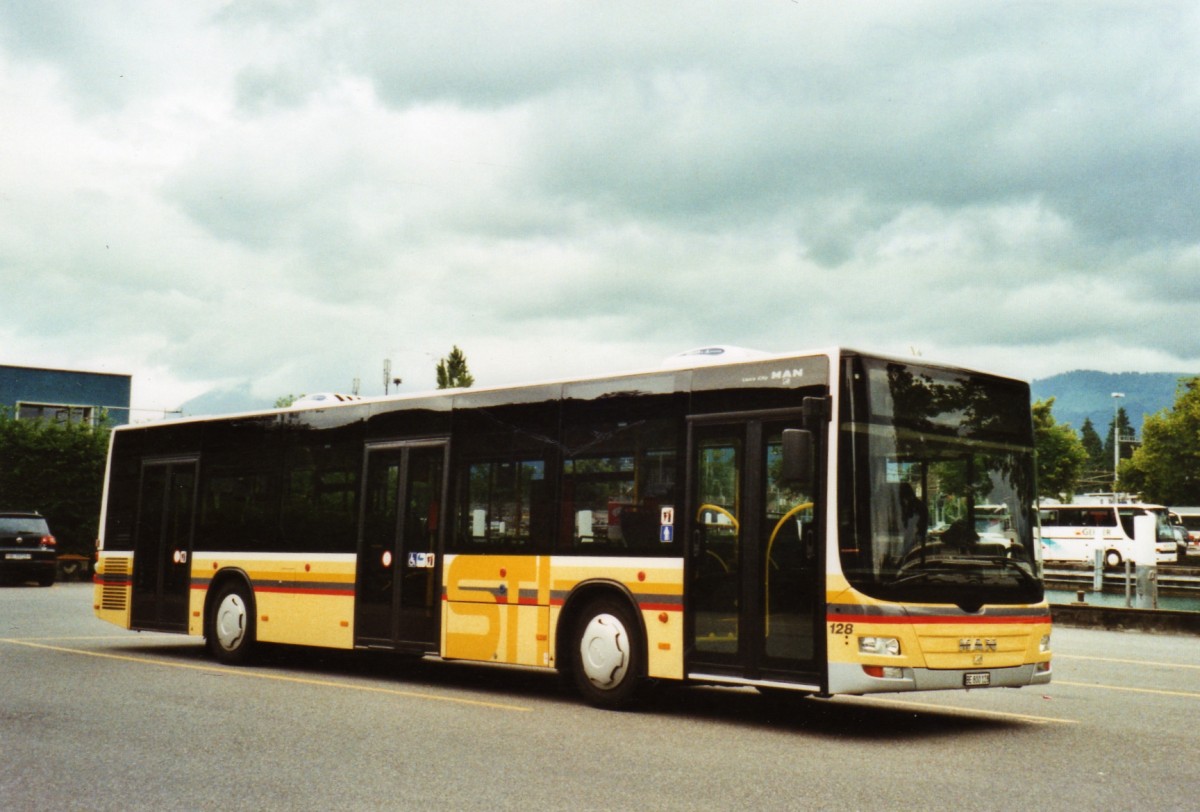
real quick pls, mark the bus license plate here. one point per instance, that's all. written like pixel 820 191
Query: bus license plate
pixel 977 679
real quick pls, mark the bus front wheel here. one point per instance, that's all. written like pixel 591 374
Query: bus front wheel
pixel 1112 559
pixel 231 629
pixel 606 655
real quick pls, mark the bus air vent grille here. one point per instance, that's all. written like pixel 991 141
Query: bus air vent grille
pixel 112 594
pixel 116 566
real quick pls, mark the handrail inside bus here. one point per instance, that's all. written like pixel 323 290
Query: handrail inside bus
pixel 771 543
pixel 779 524
pixel 719 509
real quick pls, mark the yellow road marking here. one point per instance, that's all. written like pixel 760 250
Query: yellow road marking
pixel 1124 662
pixel 235 672
pixel 1128 689
pixel 1023 717
pixel 142 635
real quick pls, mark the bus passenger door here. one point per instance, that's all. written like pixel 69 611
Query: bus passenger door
pixel 399 566
pixel 163 545
pixel 756 583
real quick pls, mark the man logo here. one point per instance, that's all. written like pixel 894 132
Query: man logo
pixel 977 644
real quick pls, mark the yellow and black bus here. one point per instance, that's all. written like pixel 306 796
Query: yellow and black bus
pixel 802 522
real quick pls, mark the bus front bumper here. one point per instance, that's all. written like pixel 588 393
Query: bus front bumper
pixel 851 678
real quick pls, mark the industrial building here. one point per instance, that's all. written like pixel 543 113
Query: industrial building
pixel 65 396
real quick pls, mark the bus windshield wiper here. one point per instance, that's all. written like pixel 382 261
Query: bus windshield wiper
pixel 953 569
pixel 928 575
pixel 1008 563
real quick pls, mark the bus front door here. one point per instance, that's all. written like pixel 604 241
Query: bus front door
pixel 163 545
pixel 398 581
pixel 755 571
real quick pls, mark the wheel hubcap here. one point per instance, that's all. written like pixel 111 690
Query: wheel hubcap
pixel 604 650
pixel 230 623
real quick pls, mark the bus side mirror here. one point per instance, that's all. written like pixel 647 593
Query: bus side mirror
pixel 799 458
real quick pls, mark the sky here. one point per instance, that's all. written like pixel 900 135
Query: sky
pixel 257 198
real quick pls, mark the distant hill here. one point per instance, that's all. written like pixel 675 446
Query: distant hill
pixel 236 398
pixel 1087 393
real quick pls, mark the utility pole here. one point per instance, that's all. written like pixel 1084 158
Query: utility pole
pixel 1116 439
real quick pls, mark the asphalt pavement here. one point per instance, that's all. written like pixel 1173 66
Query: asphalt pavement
pixel 98 718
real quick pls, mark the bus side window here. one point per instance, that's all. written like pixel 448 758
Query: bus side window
pixel 618 476
pixel 320 492
pixel 503 505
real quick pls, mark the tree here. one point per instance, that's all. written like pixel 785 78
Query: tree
pixel 283 401
pixel 1061 456
pixel 1092 444
pixel 1097 471
pixel 452 372
pixel 1166 468
pixel 56 469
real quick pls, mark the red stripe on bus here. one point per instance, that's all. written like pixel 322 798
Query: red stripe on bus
pixel 503 601
pixel 937 619
pixel 292 590
pixel 286 590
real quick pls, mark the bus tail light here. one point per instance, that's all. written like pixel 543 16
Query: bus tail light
pixel 883 671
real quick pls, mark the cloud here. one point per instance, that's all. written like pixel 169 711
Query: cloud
pixel 273 197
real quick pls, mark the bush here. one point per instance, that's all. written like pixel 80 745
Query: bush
pixel 57 470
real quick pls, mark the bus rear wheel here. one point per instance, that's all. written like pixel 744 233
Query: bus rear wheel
pixel 231 630
pixel 606 655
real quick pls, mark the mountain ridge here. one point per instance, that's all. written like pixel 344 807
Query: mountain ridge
pixel 1087 393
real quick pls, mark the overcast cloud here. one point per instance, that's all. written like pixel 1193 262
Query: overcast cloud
pixel 276 196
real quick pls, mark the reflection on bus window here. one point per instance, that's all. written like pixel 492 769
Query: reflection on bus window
pixel 505 501
pixel 940 492
pixel 615 487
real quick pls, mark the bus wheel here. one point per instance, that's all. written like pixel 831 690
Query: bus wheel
pixel 606 658
pixel 1112 559
pixel 231 632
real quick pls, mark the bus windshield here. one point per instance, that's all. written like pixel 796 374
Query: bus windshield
pixel 937 486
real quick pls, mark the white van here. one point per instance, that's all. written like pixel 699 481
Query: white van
pixel 1074 532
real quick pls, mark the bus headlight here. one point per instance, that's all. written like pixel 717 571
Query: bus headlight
pixel 1044 646
pixel 879 645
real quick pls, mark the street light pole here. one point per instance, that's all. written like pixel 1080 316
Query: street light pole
pixel 1116 439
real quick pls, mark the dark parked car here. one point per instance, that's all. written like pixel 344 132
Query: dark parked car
pixel 1181 542
pixel 1181 536
pixel 27 550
